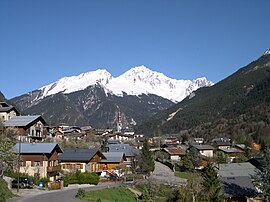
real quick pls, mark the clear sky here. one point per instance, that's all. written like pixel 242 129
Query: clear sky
pixel 42 41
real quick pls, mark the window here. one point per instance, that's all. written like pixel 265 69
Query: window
pixel 36 163
pixel 78 166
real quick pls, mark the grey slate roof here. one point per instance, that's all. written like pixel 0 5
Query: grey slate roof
pixel 78 155
pixel 113 157
pixel 37 148
pixel 125 148
pixel 236 169
pixel 238 186
pixel 203 147
pixel 6 109
pixel 21 121
pixel 231 150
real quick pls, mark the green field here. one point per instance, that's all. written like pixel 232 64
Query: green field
pixel 186 175
pixel 116 194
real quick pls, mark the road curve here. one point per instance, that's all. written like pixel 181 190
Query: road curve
pixel 64 195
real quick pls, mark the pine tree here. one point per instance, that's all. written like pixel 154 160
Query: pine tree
pixel 262 177
pixel 147 164
pixel 210 184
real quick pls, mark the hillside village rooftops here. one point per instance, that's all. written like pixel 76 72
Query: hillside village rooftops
pixel 22 121
pixel 37 148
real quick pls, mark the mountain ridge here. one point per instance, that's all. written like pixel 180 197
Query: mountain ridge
pixel 136 81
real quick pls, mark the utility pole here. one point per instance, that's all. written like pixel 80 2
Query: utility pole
pixel 19 163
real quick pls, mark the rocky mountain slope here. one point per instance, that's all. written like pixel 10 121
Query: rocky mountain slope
pixel 96 98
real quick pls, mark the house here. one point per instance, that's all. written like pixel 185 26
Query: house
pixel 174 153
pixel 169 141
pixel 39 159
pixel 130 152
pixel 236 181
pixel 113 161
pixel 205 150
pixel 85 160
pixel 29 128
pixel 7 111
pixel 222 143
pixel 238 189
pixel 231 153
pixel 119 136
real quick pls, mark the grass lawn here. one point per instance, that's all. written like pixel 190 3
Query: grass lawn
pixel 116 194
pixel 186 175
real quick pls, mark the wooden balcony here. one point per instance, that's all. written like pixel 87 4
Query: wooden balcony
pixel 51 169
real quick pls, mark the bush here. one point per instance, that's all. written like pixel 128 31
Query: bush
pixel 81 178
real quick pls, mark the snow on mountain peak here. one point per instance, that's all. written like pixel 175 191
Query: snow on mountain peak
pixel 76 83
pixel 267 52
pixel 136 81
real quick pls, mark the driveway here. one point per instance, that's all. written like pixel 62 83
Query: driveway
pixel 164 175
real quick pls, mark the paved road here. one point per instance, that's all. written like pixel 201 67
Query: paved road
pixel 65 195
pixel 164 175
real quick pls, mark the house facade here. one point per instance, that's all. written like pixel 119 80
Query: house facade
pixel 174 153
pixel 113 161
pixel 205 150
pixel 130 152
pixel 28 127
pixel 39 159
pixel 7 111
pixel 84 160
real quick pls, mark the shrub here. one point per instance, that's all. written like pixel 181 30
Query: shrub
pixel 81 178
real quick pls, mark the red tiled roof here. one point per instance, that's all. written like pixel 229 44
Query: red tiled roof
pixel 175 151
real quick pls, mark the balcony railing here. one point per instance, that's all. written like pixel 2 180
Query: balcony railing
pixel 53 168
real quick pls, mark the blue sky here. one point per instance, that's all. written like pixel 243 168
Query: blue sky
pixel 42 41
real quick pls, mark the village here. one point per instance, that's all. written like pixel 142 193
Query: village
pixel 48 152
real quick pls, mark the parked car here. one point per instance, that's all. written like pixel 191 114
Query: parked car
pixel 24 182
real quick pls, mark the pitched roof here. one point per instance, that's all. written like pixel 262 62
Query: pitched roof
pixel 22 121
pixel 236 169
pixel 113 157
pixel 125 148
pixel 238 186
pixel 203 147
pixel 6 109
pixel 79 154
pixel 175 151
pixel 36 148
pixel 231 150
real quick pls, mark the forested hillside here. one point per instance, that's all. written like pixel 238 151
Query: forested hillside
pixel 238 106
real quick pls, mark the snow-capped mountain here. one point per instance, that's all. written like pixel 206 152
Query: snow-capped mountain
pixel 136 81
pixel 97 98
